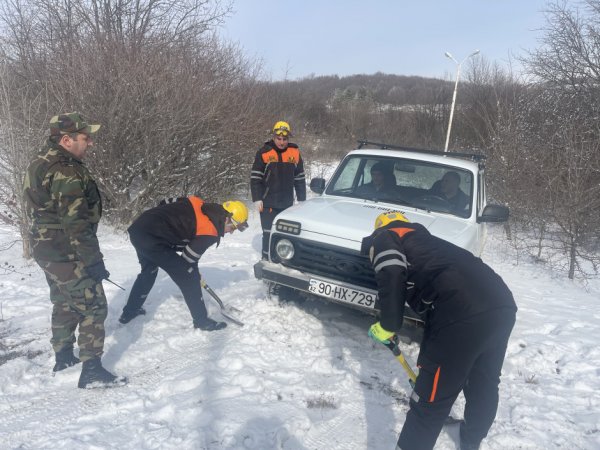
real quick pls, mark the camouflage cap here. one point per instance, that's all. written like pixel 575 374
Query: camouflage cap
pixel 68 123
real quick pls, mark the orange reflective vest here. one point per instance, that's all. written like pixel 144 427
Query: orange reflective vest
pixel 291 155
pixel 204 227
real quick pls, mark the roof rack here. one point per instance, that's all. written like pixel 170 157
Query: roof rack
pixel 382 146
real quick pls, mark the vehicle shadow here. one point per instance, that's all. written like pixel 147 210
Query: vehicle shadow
pixel 381 380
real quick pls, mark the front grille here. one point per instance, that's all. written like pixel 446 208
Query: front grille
pixel 328 261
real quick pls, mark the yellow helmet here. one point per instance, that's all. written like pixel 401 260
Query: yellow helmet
pixel 282 128
pixel 239 212
pixel 384 218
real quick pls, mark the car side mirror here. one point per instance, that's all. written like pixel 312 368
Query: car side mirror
pixel 494 214
pixel 317 185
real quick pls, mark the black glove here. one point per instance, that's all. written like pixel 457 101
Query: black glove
pixel 97 271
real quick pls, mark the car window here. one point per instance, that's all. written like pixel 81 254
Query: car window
pixel 344 181
pixel 420 184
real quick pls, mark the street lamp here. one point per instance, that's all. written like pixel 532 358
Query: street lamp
pixel 458 64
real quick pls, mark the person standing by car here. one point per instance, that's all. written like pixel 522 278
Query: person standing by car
pixel 187 225
pixel 64 207
pixel 469 313
pixel 277 171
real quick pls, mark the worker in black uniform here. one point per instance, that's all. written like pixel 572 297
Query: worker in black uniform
pixel 469 313
pixel 277 171
pixel 187 225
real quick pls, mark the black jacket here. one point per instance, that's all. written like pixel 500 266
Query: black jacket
pixel 172 225
pixel 275 175
pixel 438 279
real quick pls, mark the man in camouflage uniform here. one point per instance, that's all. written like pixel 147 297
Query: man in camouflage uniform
pixel 64 208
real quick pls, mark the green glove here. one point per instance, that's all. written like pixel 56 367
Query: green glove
pixel 380 334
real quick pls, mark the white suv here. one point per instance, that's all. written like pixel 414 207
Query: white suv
pixel 315 245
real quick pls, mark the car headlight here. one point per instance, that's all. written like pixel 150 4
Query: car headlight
pixel 285 249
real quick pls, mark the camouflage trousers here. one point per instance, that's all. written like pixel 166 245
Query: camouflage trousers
pixel 77 300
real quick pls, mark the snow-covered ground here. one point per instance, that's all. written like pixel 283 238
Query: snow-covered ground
pixel 294 377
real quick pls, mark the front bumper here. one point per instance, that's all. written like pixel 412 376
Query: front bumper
pixel 279 274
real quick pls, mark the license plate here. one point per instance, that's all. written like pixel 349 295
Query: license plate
pixel 341 293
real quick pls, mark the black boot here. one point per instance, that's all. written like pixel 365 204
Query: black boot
pixel 209 325
pixel 92 372
pixel 127 317
pixel 65 358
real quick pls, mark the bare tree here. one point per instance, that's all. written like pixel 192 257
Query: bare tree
pixel 568 158
pixel 560 117
pixel 178 106
pixel 569 56
pixel 21 111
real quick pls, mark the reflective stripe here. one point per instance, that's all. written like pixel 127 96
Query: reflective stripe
pixel 391 262
pixel 386 253
pixel 192 252
pixel 436 379
pixel 256 177
pixel 415 397
pixel 188 259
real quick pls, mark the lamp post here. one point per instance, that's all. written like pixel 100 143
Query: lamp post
pixel 458 64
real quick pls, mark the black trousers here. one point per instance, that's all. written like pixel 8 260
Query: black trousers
pixel 266 221
pixel 153 254
pixel 465 356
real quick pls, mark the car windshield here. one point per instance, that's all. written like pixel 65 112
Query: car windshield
pixel 407 182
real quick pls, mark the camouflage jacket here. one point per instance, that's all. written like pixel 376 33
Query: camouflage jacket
pixel 64 206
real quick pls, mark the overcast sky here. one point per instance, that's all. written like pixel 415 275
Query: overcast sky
pixel 404 37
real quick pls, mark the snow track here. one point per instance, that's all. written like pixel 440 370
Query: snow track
pixel 30 420
pixel 295 377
